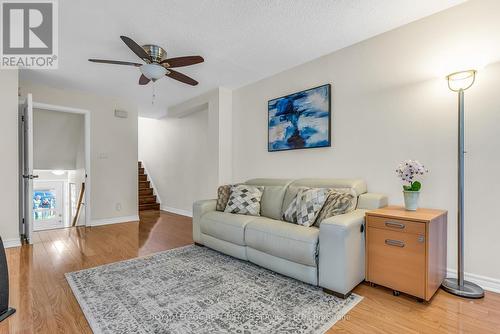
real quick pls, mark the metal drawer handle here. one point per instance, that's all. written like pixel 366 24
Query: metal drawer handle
pixel 396 243
pixel 395 225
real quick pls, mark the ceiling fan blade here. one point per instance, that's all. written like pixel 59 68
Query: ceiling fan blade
pixel 136 48
pixel 181 77
pixel 116 62
pixel 182 61
pixel 143 80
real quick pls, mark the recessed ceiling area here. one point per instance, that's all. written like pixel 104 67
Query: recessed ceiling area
pixel 242 41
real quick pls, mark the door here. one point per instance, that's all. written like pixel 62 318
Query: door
pixel 27 168
pixel 48 205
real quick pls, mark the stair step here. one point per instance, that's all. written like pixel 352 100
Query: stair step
pixel 147 199
pixel 150 214
pixel 145 192
pixel 150 206
pixel 144 184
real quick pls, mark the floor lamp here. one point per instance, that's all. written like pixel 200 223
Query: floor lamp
pixel 459 82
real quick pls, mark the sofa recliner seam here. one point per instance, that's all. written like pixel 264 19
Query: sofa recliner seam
pixel 279 236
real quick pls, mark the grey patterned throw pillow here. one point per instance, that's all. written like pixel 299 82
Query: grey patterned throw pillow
pixel 244 200
pixel 290 214
pixel 337 203
pixel 305 207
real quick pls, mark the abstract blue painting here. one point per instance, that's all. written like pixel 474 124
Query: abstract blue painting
pixel 300 120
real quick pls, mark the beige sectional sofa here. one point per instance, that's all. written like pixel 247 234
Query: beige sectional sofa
pixel 331 256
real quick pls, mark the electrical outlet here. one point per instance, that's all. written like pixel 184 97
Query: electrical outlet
pixel 118 206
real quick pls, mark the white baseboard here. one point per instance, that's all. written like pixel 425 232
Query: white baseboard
pixel 177 211
pixel 487 283
pixel 9 243
pixel 114 220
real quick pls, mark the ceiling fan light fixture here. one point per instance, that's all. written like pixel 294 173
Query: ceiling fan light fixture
pixel 153 71
pixel 157 63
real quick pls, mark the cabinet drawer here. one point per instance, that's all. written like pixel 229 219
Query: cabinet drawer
pixel 396 260
pixel 398 225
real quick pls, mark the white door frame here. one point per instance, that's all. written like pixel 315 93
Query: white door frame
pixel 86 113
pixel 26 171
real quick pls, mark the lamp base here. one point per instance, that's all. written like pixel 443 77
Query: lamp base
pixel 7 313
pixel 468 290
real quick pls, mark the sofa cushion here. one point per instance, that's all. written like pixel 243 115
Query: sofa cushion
pixel 288 241
pixel 225 226
pixel 272 197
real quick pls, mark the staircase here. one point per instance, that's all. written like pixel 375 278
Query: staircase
pixel 147 199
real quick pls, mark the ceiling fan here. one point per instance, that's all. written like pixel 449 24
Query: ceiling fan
pixel 156 64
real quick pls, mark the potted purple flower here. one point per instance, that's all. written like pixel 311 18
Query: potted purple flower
pixel 410 171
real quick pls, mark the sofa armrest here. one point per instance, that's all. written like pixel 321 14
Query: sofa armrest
pixel 342 252
pixel 199 209
pixel 370 201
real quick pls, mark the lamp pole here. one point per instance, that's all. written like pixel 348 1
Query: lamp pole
pixel 460 204
pixel 459 82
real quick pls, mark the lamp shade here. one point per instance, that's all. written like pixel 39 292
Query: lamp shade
pixel 153 71
pixel 461 80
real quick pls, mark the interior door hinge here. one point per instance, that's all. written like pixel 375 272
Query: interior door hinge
pixel 22 118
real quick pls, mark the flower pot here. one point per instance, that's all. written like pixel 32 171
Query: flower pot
pixel 411 200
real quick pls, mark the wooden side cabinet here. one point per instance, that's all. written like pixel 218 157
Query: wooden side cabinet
pixel 406 250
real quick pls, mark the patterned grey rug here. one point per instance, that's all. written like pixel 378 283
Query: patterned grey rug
pixel 197 290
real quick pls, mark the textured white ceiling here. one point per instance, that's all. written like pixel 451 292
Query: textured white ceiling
pixel 241 40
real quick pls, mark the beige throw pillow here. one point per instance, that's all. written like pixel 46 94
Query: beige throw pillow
pixel 223 193
pixel 337 203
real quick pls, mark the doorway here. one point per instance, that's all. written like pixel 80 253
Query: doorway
pixel 48 205
pixel 54 147
pixel 56 199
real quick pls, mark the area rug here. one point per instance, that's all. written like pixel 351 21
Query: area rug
pixel 194 289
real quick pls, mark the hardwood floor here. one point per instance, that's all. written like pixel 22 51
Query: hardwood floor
pixel 45 303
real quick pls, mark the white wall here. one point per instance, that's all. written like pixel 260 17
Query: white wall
pixel 389 103
pixel 57 139
pixel 189 153
pixel 113 149
pixel 176 152
pixel 9 196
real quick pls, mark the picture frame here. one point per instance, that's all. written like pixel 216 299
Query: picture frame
pixel 300 120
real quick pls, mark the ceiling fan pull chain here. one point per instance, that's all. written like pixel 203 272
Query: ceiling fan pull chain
pixel 154 95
